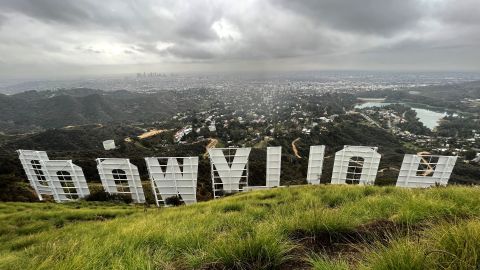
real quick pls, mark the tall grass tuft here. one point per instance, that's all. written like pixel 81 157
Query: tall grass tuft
pixel 261 250
pixel 318 262
pixel 400 254
pixel 456 247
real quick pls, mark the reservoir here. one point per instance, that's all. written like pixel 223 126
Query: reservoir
pixel 429 118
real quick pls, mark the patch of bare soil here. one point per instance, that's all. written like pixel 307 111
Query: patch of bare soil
pixel 347 244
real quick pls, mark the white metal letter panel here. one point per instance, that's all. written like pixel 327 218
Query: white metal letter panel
pixel 371 161
pixel 169 180
pixel 315 164
pixel 230 175
pixel 120 176
pixel 441 171
pixel 66 179
pixel 274 162
pixel 31 163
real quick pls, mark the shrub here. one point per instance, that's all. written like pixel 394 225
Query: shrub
pixel 15 189
pixel 102 196
pixel 174 201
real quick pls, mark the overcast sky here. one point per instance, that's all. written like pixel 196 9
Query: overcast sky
pixel 59 37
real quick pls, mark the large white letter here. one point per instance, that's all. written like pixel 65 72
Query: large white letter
pixel 274 162
pixel 315 164
pixel 425 170
pixel 120 176
pixel 31 162
pixel 230 171
pixel 66 180
pixel 356 164
pixel 173 179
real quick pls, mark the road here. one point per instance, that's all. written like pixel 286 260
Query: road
pixel 151 133
pixel 294 148
pixel 370 120
pixel 212 144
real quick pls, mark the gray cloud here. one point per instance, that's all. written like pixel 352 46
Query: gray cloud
pixel 193 52
pixel 85 33
pixel 2 19
pixel 49 10
pixel 194 20
pixel 465 12
pixel 383 17
pixel 103 14
pixel 189 20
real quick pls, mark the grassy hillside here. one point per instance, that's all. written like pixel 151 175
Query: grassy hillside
pixel 306 227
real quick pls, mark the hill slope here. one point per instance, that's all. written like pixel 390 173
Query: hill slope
pixel 309 227
pixel 30 111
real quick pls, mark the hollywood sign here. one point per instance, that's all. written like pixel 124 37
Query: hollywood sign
pixel 177 176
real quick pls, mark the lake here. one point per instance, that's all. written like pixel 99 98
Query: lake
pixel 428 118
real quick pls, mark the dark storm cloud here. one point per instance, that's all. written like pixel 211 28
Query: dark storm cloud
pixel 133 17
pixel 383 17
pixel 49 10
pixel 75 13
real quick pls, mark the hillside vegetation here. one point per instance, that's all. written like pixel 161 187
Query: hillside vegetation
pixel 34 111
pixel 306 227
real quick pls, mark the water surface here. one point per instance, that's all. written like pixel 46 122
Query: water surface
pixel 429 118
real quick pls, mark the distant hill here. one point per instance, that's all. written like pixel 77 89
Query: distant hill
pixel 449 96
pixel 32 111
pixel 453 91
pixel 89 137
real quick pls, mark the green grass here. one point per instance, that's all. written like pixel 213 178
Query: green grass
pixel 305 227
pixel 318 262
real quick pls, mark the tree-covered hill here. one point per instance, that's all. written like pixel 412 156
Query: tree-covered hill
pixel 454 97
pixel 32 110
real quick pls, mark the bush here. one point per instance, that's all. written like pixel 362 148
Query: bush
pixel 470 154
pixel 174 201
pixel 14 189
pixel 102 196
